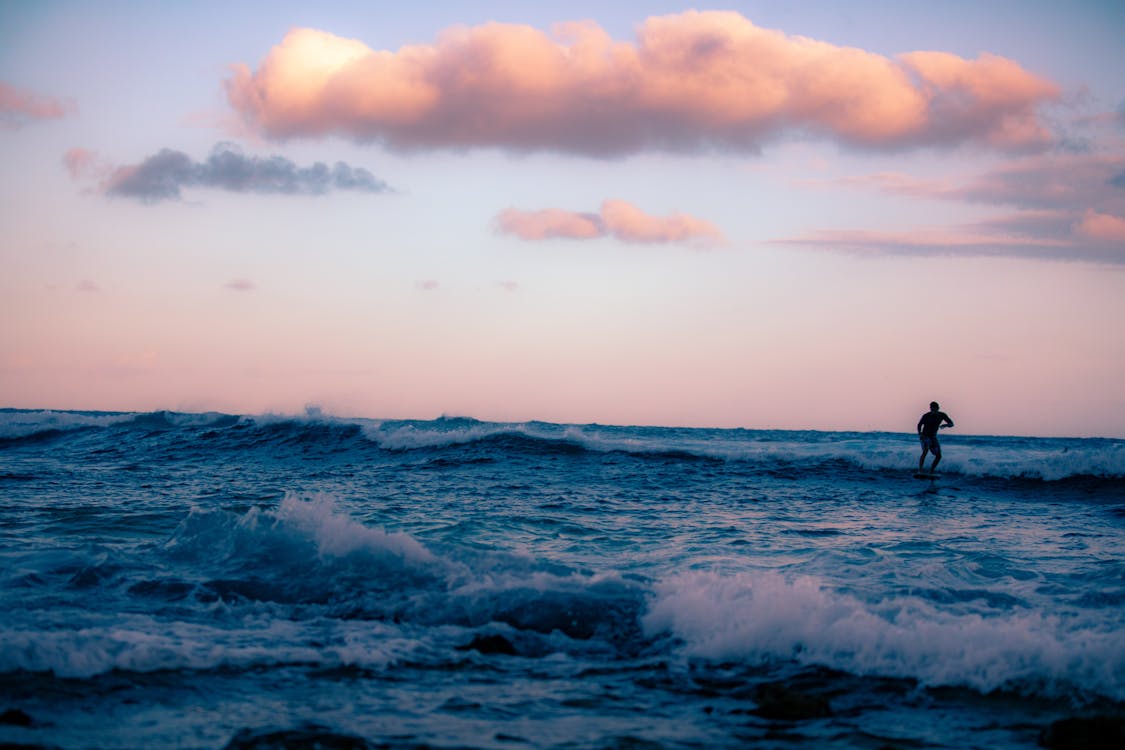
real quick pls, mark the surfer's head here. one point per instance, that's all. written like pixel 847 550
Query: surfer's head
pixel 934 406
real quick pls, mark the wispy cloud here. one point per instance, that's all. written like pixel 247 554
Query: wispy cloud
pixel 617 218
pixel 240 285
pixel 1095 238
pixel 1067 207
pixel 1050 181
pixel 20 106
pixel 692 81
pixel 83 163
pixel 1103 228
pixel 164 175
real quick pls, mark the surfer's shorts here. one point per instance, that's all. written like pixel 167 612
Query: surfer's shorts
pixel 930 443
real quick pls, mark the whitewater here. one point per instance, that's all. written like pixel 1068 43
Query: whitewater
pixel 224 581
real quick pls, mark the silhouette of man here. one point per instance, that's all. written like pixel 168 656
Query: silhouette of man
pixel 928 426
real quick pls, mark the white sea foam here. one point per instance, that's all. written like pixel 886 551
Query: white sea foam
pixel 436 435
pixel 765 617
pixel 298 521
pixel 17 424
pixel 143 644
pixel 337 535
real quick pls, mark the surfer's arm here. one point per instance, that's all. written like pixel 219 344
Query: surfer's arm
pixel 948 422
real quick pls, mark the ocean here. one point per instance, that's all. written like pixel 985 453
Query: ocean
pixel 221 581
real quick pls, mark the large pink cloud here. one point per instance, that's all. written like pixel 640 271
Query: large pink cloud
pixel 617 218
pixel 18 106
pixel 689 81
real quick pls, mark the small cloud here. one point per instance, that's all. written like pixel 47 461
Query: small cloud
pixel 630 224
pixel 509 286
pixel 20 106
pixel 162 176
pixel 427 285
pixel 1102 228
pixel 87 286
pixel 550 223
pixel 616 218
pixel 80 162
pixel 240 285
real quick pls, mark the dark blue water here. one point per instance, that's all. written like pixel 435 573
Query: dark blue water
pixel 180 580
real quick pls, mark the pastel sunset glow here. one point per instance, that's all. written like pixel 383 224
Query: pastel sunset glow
pixel 688 80
pixel 759 215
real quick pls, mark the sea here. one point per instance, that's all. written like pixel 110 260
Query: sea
pixel 187 580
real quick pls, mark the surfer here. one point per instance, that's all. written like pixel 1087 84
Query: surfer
pixel 928 427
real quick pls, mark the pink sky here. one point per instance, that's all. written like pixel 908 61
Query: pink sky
pixel 795 217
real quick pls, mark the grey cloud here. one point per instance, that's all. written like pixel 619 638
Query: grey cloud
pixel 982 240
pixel 1073 182
pixel 162 176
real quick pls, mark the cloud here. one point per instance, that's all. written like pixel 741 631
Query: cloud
pixel 162 176
pixel 1068 207
pixel 1102 228
pixel 1039 235
pixel 83 163
pixel 19 106
pixel 427 285
pixel 627 222
pixel 964 240
pixel 692 81
pixel 550 223
pixel 1047 181
pixel 617 218
pixel 1073 181
pixel 240 285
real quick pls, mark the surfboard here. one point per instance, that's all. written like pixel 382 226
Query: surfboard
pixel 921 475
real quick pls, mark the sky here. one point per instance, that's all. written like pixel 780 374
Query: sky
pixel 809 215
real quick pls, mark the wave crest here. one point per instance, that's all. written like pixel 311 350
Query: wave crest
pixel 764 618
pixel 1047 459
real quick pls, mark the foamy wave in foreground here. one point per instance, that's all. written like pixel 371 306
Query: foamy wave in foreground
pixel 314 586
pixel 144 644
pixel 765 618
